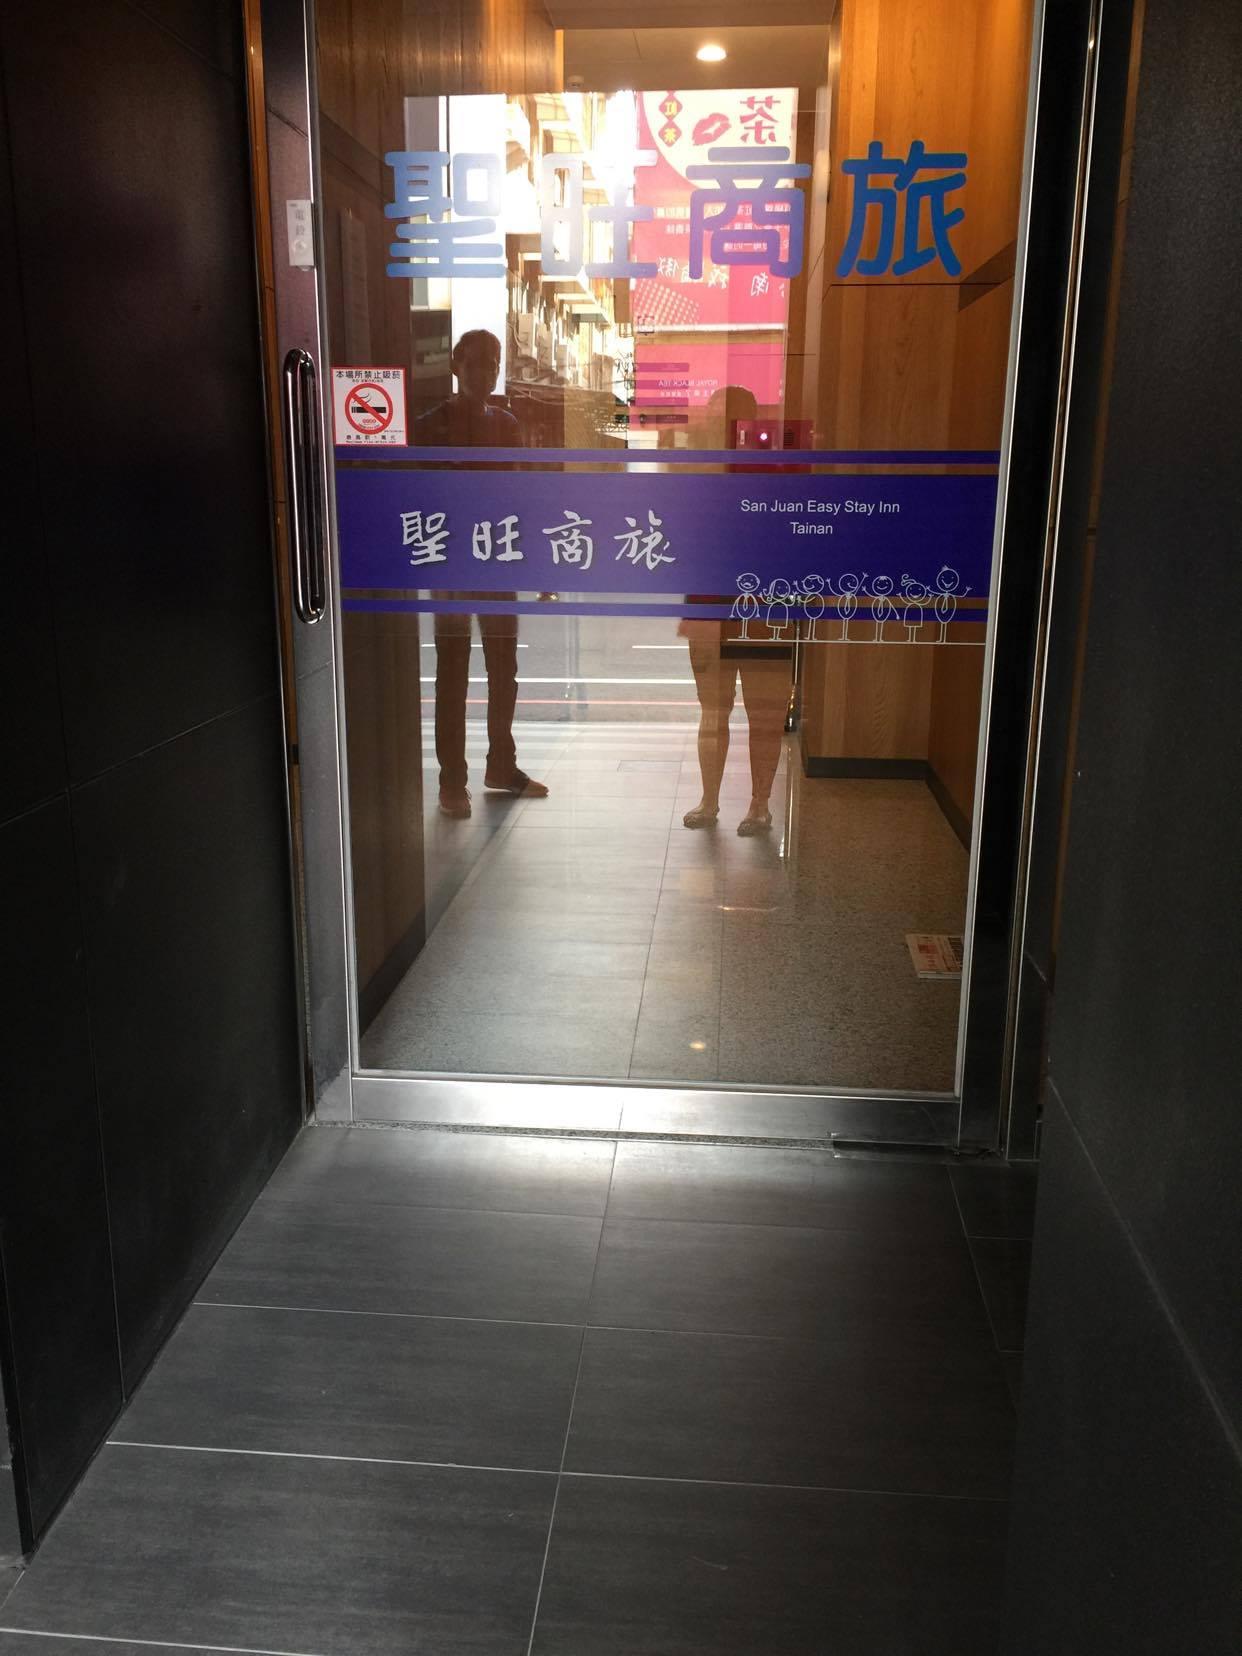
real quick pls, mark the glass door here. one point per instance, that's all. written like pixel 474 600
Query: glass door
pixel 664 374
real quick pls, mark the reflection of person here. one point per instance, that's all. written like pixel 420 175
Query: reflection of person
pixel 468 419
pixel 721 652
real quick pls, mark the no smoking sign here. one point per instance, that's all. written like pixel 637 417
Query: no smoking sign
pixel 368 405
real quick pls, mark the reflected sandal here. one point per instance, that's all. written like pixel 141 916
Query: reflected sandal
pixel 700 817
pixel 755 822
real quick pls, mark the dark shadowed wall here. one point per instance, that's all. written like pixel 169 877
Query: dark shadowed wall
pixel 149 1071
pixel 1127 1532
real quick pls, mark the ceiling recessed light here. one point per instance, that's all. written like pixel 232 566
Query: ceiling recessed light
pixel 711 54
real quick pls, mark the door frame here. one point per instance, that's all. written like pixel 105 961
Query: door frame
pixel 1048 294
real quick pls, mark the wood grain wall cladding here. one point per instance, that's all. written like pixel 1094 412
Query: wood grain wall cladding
pixel 907 364
pixel 371 56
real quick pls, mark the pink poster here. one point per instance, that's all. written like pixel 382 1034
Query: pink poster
pixel 738 308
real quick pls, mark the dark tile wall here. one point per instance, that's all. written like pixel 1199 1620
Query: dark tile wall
pixel 149 1073
pixel 1128 1527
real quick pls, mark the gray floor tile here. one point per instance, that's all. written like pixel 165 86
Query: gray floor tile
pixel 386 1388
pixel 794 1283
pixel 487 989
pixel 508 1043
pixel 696 960
pixel 274 1553
pixel 615 922
pixel 665 1058
pixel 40 1644
pixel 1004 1269
pixel 627 857
pixel 997 1199
pixel 429 1261
pixel 830 901
pixel 751 1185
pixel 705 1570
pixel 872 1414
pixel 452 1170
pixel 9 1574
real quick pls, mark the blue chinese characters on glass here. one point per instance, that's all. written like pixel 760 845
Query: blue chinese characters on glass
pixel 908 188
pixel 746 208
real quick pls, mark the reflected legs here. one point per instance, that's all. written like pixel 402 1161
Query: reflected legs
pixel 499 633
pixel 715 682
pixel 452 684
pixel 765 695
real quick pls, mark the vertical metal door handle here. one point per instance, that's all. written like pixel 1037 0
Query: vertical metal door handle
pixel 300 407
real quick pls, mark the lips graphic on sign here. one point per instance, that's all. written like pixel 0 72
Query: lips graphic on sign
pixel 711 128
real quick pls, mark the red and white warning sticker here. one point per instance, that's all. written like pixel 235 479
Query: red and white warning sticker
pixel 368 405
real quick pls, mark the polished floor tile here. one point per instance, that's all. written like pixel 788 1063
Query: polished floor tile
pixel 1004 1269
pixel 798 936
pixel 708 1570
pixel 451 1170
pixel 283 1554
pixel 478 989
pixel 378 1387
pixel 996 1199
pixel 783 1438
pixel 321 1255
pixel 439 1040
pixel 877 1413
pixel 752 1185
pixel 794 1283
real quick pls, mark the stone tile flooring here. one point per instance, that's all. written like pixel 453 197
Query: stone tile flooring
pixel 592 935
pixel 510 1396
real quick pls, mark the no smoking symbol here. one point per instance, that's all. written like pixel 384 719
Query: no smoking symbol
pixel 368 408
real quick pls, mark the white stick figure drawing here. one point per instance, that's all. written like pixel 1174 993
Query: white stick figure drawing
pixel 916 596
pixel 883 609
pixel 746 605
pixel 812 603
pixel 945 602
pixel 778 595
pixel 846 593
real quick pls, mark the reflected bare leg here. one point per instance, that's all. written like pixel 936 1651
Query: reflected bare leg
pixel 715 681
pixel 765 692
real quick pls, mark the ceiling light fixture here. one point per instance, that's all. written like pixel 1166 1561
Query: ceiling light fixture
pixel 711 54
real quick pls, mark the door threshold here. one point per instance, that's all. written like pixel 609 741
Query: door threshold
pixel 641 1112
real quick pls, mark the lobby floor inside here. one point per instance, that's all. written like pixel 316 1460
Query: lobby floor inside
pixel 591 934
pixel 478 1395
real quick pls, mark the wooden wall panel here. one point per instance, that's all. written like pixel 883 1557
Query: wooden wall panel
pixel 919 363
pixel 372 55
pixel 997 129
pixel 872 700
pixel 382 707
pixel 980 360
pixel 887 370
